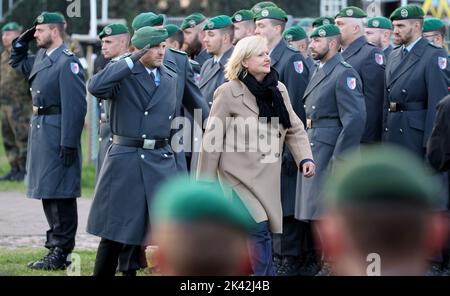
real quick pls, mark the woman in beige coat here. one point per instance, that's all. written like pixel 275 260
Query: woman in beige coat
pixel 250 119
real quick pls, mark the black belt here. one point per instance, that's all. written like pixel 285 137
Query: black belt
pixel 325 122
pixel 414 106
pixel 140 143
pixel 51 110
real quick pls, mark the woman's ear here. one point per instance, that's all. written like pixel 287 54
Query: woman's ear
pixel 244 64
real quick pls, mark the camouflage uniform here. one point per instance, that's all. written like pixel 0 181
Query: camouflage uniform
pixel 15 109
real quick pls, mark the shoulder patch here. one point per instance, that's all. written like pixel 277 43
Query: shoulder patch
pixel 346 64
pixel 379 59
pixel 178 51
pixel 68 52
pixel 351 82
pixel 442 62
pixel 75 68
pixel 298 66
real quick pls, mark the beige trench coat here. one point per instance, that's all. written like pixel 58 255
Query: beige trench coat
pixel 246 155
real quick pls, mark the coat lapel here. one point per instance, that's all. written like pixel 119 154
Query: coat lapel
pixel 43 61
pixel 322 74
pixel 143 79
pixel 162 89
pixel 412 58
pixel 210 71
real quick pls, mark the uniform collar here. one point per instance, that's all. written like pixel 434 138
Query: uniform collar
pixel 412 44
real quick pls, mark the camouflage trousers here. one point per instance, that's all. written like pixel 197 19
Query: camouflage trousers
pixel 15 125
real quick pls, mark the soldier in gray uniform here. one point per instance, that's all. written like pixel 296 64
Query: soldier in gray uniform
pixel 54 151
pixel 297 39
pixel 140 158
pixel 368 60
pixel 219 34
pixel 378 32
pixel 115 40
pixel 416 80
pixel 335 116
pixel 294 73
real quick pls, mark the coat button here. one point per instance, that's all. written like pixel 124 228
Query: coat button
pixel 210 103
pixel 110 139
pixel 99 139
pixel 261 136
pixel 165 155
pixel 386 129
pixel 312 144
pixel 31 89
pixel 263 155
pixel 401 130
pixel 170 117
pixel 313 107
pixel 304 106
pixel 38 92
pixel 142 156
pixel 38 126
pixel 31 125
pixel 389 90
pixel 144 136
pixel 146 113
pixel 195 139
pixel 100 104
pixel 403 90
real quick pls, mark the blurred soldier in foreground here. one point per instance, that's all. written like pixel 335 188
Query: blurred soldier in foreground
pixel 54 153
pixel 378 32
pixel 199 231
pixel 379 218
pixel 16 105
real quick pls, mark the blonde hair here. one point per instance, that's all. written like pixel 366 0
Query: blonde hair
pixel 246 48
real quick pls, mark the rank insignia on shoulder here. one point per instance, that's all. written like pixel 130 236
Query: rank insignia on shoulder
pixel 351 82
pixel 346 64
pixel 121 57
pixel 68 52
pixel 178 51
pixel 193 62
pixel 379 58
pixel 442 61
pixel 75 68
pixel 298 66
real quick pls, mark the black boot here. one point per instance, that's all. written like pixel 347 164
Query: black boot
pixel 311 265
pixel 55 260
pixel 10 174
pixel 290 266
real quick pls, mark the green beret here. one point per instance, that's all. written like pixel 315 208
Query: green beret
pixel 147 19
pixel 407 12
pixel 11 26
pixel 326 31
pixel 351 11
pixel 323 20
pixel 381 174
pixel 171 29
pixel 379 22
pixel 432 24
pixel 49 18
pixel 261 5
pixel 272 13
pixel 242 15
pixel 218 22
pixel 186 201
pixel 294 34
pixel 113 29
pixel 148 35
pixel 192 20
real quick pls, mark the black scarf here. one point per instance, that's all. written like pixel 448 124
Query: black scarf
pixel 268 97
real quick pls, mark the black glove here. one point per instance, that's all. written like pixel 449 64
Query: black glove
pixel 68 155
pixel 27 36
pixel 135 56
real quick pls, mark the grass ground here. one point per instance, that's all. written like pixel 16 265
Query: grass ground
pixel 87 175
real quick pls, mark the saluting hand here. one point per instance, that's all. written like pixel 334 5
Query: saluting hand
pixel 27 36
pixel 139 54
pixel 309 169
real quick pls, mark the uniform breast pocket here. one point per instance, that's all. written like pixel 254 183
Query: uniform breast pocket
pixel 326 136
pixel 417 121
pixel 53 120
